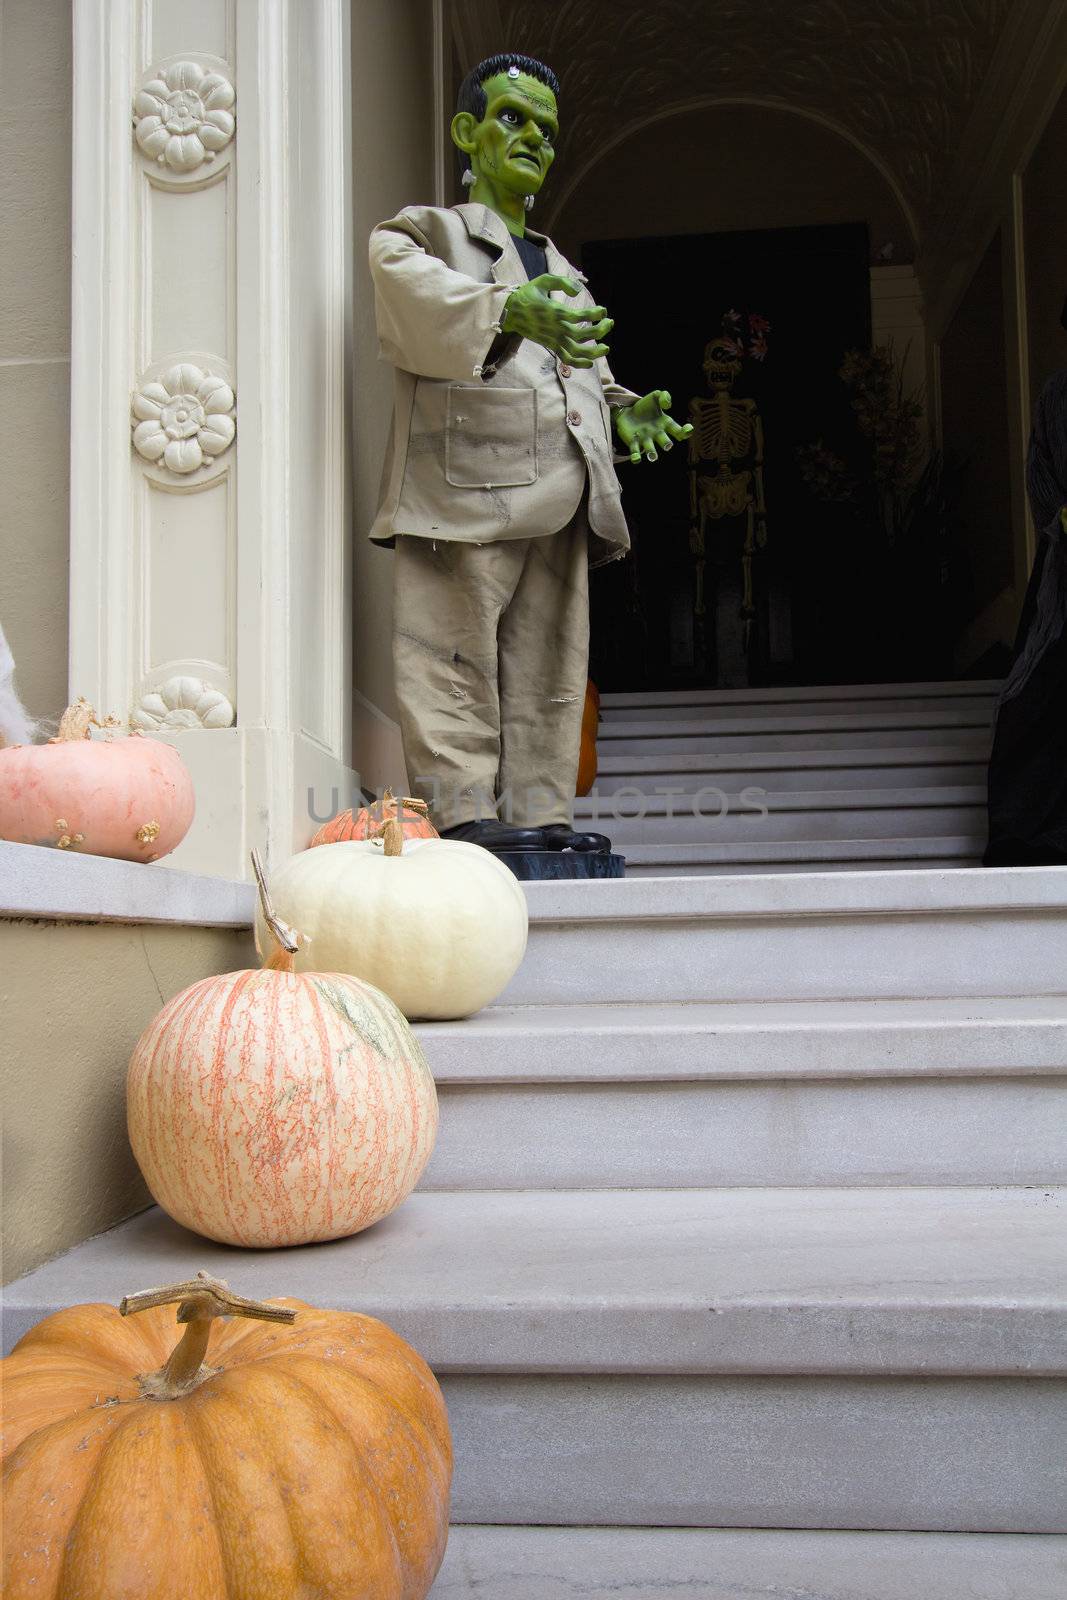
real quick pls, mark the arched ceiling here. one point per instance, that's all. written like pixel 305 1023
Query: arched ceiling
pixel 900 78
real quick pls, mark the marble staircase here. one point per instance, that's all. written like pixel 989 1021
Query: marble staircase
pixel 835 778
pixel 741 1256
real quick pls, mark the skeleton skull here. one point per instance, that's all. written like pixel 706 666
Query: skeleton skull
pixel 722 363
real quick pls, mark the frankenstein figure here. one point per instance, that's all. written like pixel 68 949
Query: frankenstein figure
pixel 499 489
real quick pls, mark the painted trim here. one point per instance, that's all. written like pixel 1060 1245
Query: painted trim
pixel 442 143
pixel 102 583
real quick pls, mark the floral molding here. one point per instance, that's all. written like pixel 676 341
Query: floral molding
pixel 183 117
pixel 182 702
pixel 184 419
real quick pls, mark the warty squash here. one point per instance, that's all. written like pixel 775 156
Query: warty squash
pixel 130 798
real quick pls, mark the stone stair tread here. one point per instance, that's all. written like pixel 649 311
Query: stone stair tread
pixel 729 710
pixel 692 1040
pixel 953 688
pixel 796 720
pixel 957 890
pixel 772 855
pixel 740 737
pixel 859 934
pixel 738 867
pixel 924 797
pixel 958 753
pixel 561 1563
pixel 921 1281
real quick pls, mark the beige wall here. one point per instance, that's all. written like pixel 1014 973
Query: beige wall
pixel 392 133
pixel 1045 234
pixel 35 133
pixel 74 998
pixel 725 168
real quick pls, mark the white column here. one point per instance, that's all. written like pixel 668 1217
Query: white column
pixel 210 525
pixel 897 318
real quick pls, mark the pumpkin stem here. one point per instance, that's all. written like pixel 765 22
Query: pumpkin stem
pixel 287 939
pixel 391 834
pixel 75 722
pixel 200 1301
pixel 401 807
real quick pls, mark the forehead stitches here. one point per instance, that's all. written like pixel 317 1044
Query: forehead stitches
pixel 544 101
pixel 528 98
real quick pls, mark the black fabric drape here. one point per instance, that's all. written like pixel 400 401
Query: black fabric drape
pixel 1028 765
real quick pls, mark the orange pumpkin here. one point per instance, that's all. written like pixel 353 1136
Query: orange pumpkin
pixel 587 762
pixel 311 1462
pixel 276 1107
pixel 413 816
pixel 130 798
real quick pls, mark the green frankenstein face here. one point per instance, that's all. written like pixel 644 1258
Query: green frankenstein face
pixel 512 147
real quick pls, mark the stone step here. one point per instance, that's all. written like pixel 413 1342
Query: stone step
pixel 523 1563
pixel 871 1092
pixel 972 1455
pixel 810 935
pixel 793 771
pixel 666 1042
pixel 717 1358
pixel 714 735
pixel 954 689
pixel 951 1282
pixel 802 856
pixel 613 714
pixel 754 816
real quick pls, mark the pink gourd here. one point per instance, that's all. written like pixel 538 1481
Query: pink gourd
pixel 276 1107
pixel 130 798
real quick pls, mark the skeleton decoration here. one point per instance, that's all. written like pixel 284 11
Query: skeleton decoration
pixel 726 467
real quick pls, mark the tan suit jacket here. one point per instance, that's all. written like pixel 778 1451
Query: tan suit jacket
pixel 493 437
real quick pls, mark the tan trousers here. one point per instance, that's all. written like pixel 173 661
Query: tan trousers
pixel 491 651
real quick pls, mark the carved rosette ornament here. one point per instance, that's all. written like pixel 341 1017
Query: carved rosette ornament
pixel 182 703
pixel 184 419
pixel 184 116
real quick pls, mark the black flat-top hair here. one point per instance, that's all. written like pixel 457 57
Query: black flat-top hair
pixel 472 97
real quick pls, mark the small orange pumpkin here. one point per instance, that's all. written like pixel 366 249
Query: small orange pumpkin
pixel 312 1462
pixel 587 762
pixel 129 798
pixel 413 816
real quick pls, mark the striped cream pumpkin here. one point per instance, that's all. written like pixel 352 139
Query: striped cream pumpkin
pixel 276 1107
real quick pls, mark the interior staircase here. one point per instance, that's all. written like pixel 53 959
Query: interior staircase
pixel 741 1255
pixel 794 780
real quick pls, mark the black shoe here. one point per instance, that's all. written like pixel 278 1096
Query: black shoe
pixel 559 836
pixel 496 836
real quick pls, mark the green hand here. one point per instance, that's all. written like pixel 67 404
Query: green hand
pixel 569 332
pixel 646 424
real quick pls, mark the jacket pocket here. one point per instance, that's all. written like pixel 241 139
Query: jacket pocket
pixel 490 437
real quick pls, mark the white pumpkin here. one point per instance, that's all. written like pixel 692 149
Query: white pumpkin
pixel 440 926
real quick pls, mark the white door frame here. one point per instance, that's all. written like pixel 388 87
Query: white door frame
pixel 218 593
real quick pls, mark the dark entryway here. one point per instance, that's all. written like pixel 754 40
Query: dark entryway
pixel 769 554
